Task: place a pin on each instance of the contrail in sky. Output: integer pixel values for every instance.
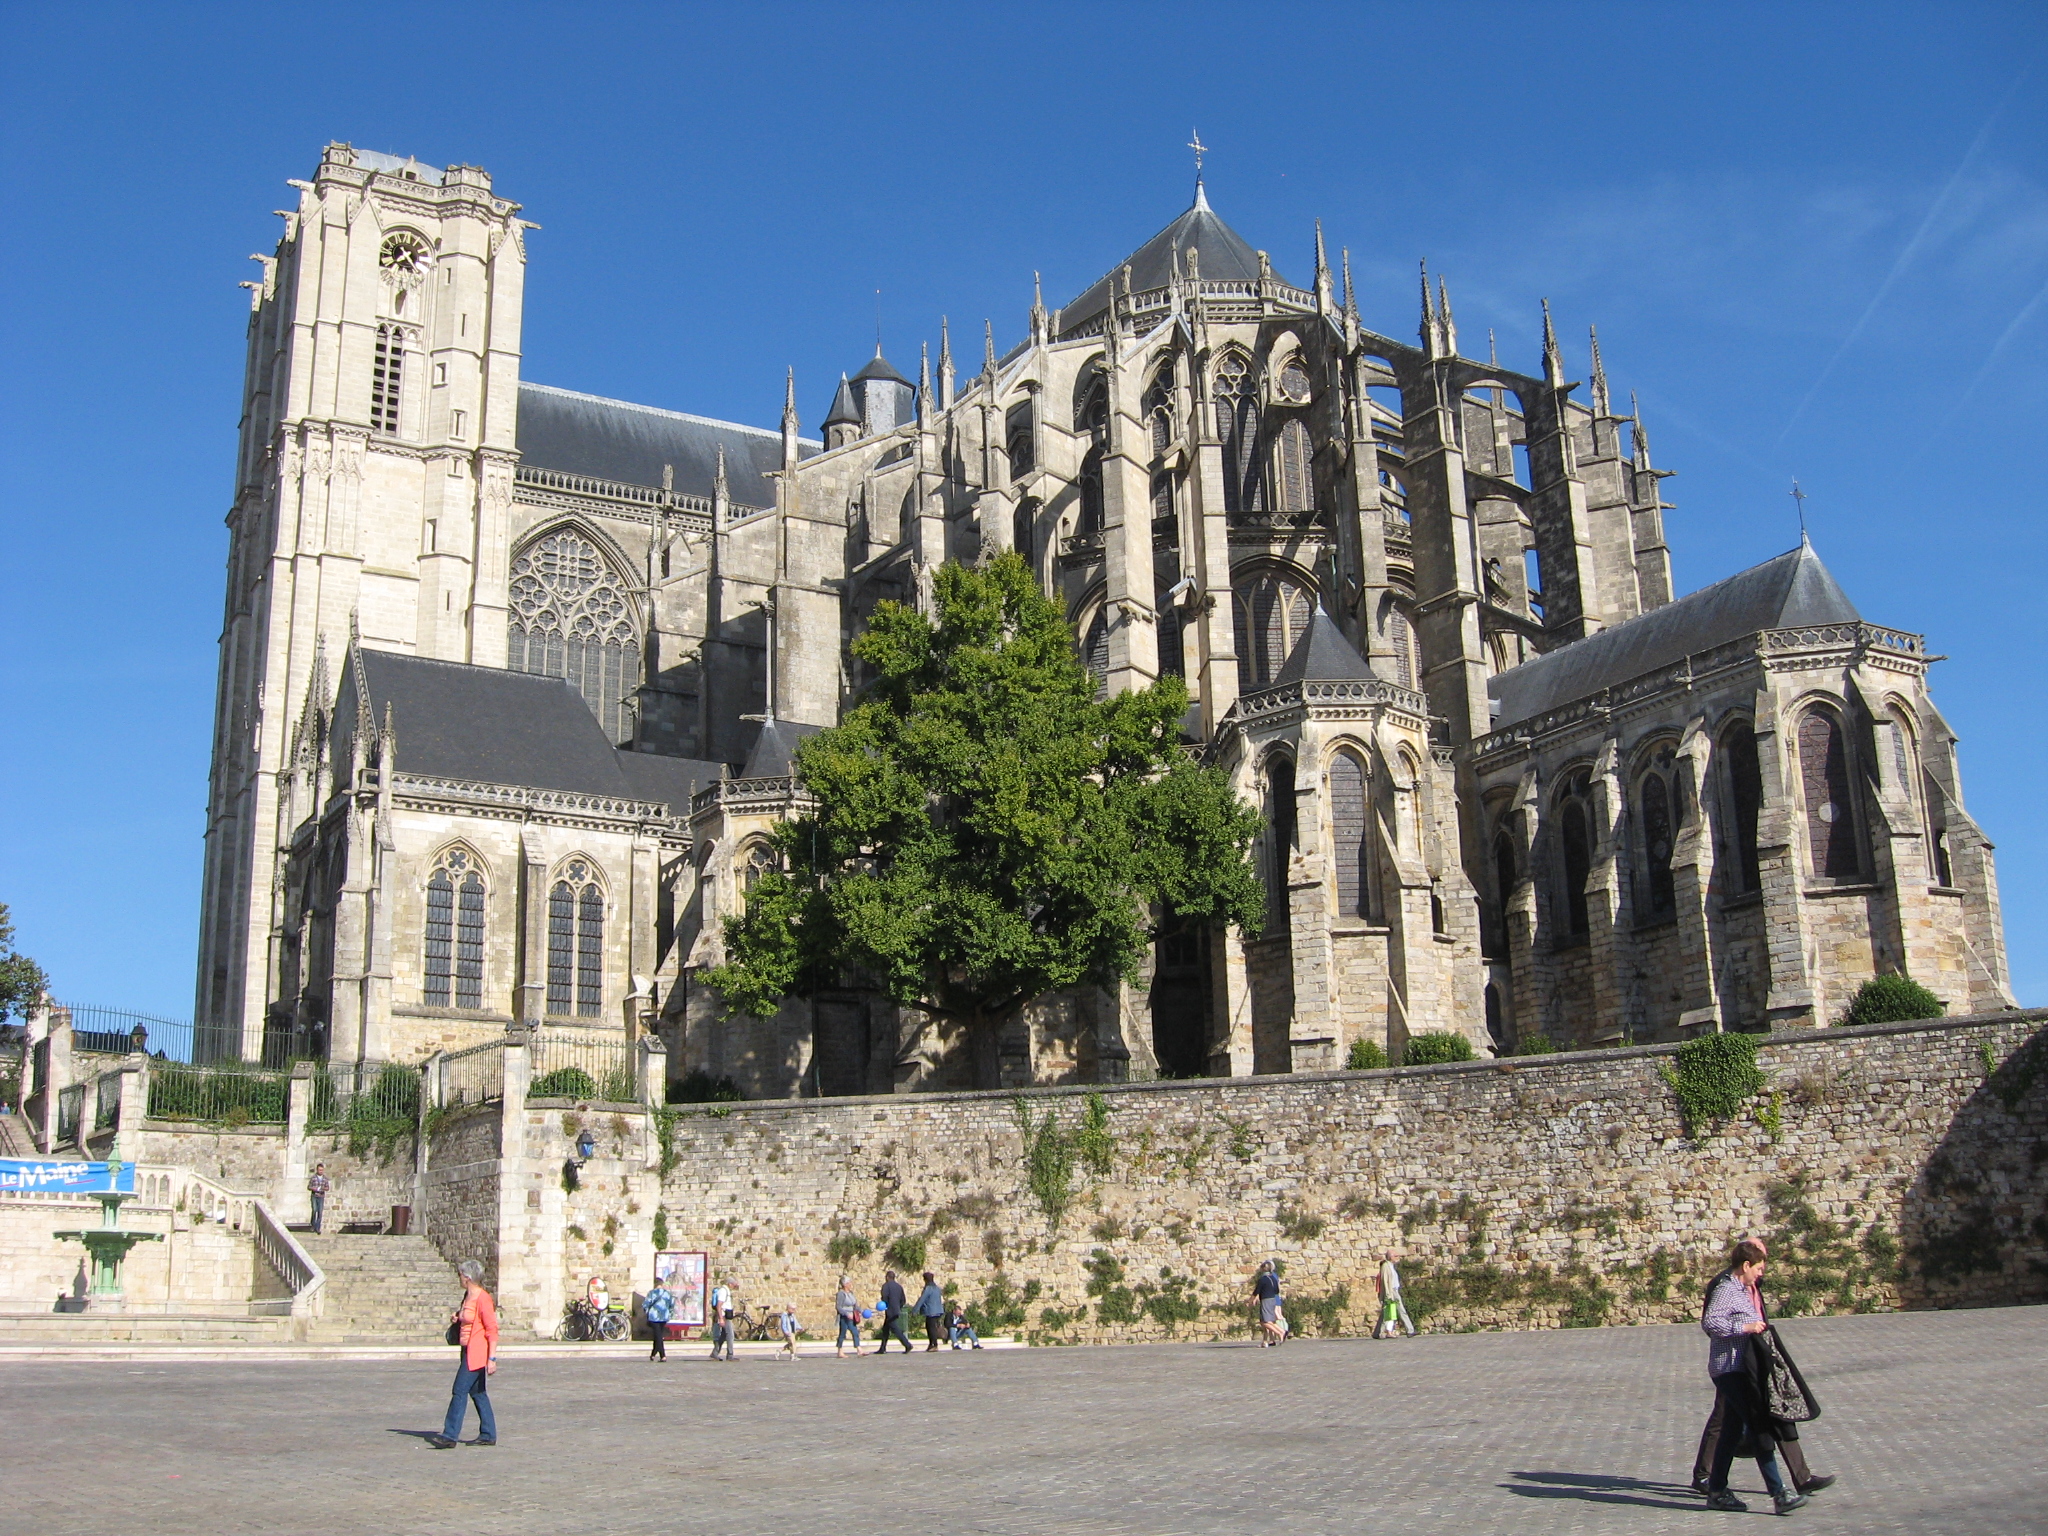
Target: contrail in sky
(2012, 329)
(1906, 256)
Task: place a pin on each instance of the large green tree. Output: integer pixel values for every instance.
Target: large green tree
(987, 828)
(22, 981)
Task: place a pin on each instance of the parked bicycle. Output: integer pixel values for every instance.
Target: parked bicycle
(582, 1322)
(752, 1329)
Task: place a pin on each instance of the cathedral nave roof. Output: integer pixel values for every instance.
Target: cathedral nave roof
(580, 434)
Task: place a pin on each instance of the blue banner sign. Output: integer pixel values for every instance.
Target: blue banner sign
(34, 1176)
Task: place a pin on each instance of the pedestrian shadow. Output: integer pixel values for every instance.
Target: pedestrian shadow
(1597, 1488)
(414, 1434)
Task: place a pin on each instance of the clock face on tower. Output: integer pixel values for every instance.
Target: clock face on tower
(404, 255)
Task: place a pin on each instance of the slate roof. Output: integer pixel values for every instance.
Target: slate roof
(842, 412)
(1225, 258)
(878, 368)
(774, 753)
(1323, 655)
(581, 434)
(1793, 590)
(490, 724)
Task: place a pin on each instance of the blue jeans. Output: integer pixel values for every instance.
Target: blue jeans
(1737, 1421)
(319, 1210)
(470, 1385)
(849, 1328)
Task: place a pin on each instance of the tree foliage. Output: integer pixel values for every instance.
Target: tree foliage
(22, 981)
(987, 828)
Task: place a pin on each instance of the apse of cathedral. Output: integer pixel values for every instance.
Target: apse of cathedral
(511, 677)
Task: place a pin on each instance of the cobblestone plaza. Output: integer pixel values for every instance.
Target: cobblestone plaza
(1932, 1420)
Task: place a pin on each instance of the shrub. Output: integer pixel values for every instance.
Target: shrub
(1433, 1046)
(1535, 1043)
(846, 1247)
(563, 1083)
(1000, 1309)
(906, 1253)
(1892, 1000)
(700, 1087)
(1712, 1076)
(1298, 1224)
(1093, 1143)
(1365, 1056)
(1048, 1161)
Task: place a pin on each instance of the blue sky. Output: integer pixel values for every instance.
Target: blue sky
(1814, 238)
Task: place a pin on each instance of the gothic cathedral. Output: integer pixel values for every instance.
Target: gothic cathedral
(511, 677)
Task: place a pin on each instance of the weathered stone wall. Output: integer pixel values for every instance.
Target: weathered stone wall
(461, 1187)
(1886, 1163)
(257, 1160)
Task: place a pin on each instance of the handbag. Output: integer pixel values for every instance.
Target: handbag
(454, 1333)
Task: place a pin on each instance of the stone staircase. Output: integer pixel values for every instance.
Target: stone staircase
(15, 1140)
(382, 1290)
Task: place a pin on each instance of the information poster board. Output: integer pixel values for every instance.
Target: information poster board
(684, 1273)
(53, 1176)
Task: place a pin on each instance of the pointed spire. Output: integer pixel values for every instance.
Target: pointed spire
(1553, 361)
(1443, 314)
(1350, 300)
(1492, 348)
(1323, 301)
(924, 380)
(1201, 197)
(1599, 375)
(945, 365)
(721, 495)
(1640, 447)
(1428, 332)
(1037, 311)
(988, 350)
(789, 422)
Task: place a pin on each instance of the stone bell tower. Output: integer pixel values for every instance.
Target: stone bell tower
(372, 490)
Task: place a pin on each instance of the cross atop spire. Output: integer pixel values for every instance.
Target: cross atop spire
(1200, 150)
(1799, 501)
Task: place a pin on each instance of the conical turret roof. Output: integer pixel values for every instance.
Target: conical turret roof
(1323, 655)
(842, 413)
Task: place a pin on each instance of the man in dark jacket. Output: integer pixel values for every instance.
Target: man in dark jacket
(931, 1306)
(891, 1320)
(1803, 1477)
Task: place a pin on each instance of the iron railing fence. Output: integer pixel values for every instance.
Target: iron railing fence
(570, 1063)
(117, 1031)
(365, 1098)
(226, 1096)
(473, 1076)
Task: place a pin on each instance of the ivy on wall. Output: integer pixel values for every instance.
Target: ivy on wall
(1710, 1078)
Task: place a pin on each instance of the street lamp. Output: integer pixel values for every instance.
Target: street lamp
(586, 1148)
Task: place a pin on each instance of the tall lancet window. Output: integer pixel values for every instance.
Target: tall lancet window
(386, 375)
(1237, 423)
(1294, 456)
(1272, 615)
(571, 618)
(576, 942)
(455, 932)
(1158, 408)
(1830, 809)
(1347, 835)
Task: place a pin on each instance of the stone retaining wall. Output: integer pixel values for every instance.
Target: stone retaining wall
(1886, 1163)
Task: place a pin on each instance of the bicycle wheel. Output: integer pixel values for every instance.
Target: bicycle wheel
(613, 1326)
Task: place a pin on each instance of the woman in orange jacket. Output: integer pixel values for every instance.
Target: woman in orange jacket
(477, 1322)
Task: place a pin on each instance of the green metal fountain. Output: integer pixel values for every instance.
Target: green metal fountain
(108, 1245)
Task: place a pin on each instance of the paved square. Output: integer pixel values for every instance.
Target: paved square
(1934, 1421)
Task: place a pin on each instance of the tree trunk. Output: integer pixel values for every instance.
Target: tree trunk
(984, 1044)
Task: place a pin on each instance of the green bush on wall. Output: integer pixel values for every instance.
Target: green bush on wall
(1535, 1043)
(1892, 1000)
(563, 1083)
(1433, 1046)
(1711, 1076)
(1365, 1056)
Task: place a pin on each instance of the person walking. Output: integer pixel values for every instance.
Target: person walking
(1266, 1305)
(890, 1324)
(477, 1330)
(318, 1187)
(1803, 1476)
(721, 1319)
(659, 1306)
(1393, 1310)
(790, 1328)
(847, 1306)
(931, 1306)
(1733, 1313)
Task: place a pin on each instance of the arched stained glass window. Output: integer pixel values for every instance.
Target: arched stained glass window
(1830, 810)
(1281, 837)
(1091, 402)
(1575, 852)
(1347, 834)
(1237, 423)
(1095, 649)
(454, 947)
(1296, 487)
(1294, 381)
(1743, 780)
(1272, 615)
(1655, 797)
(1158, 408)
(576, 942)
(571, 619)
(1090, 521)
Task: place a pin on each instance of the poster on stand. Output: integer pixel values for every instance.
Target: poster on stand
(684, 1273)
(57, 1176)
